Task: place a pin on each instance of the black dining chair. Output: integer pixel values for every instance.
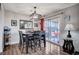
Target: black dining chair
(31, 40)
(37, 40)
(42, 37)
(22, 41)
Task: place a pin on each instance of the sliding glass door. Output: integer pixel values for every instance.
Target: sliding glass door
(52, 30)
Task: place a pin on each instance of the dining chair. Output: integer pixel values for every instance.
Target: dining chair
(30, 40)
(22, 41)
(42, 37)
(37, 41)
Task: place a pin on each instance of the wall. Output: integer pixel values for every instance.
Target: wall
(1, 27)
(14, 29)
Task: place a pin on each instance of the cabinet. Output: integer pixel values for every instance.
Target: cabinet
(6, 36)
(68, 46)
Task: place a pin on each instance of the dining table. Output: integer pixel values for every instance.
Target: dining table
(28, 34)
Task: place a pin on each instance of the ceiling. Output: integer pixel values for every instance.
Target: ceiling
(42, 8)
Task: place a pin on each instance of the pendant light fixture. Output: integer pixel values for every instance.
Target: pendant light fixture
(34, 15)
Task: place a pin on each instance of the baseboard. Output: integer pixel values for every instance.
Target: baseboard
(1, 51)
(53, 43)
(13, 43)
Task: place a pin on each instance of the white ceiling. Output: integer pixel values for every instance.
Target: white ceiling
(42, 8)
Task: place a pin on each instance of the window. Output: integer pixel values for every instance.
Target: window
(52, 30)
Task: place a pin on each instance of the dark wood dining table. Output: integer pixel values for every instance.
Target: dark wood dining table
(27, 40)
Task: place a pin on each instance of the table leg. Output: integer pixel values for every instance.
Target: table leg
(44, 42)
(27, 46)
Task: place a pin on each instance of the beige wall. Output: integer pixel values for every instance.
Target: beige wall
(1, 27)
(14, 29)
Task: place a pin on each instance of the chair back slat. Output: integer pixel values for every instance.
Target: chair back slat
(21, 37)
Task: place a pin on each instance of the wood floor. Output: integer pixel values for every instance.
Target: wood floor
(51, 49)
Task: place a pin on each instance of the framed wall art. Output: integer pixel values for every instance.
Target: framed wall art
(24, 24)
(13, 22)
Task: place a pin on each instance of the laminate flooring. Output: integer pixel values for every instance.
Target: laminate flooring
(50, 49)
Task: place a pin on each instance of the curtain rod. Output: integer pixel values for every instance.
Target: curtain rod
(56, 14)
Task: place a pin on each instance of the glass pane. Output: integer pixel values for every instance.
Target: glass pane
(52, 31)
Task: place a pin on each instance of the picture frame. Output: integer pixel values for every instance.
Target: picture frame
(35, 24)
(24, 24)
(30, 24)
(13, 22)
(67, 18)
